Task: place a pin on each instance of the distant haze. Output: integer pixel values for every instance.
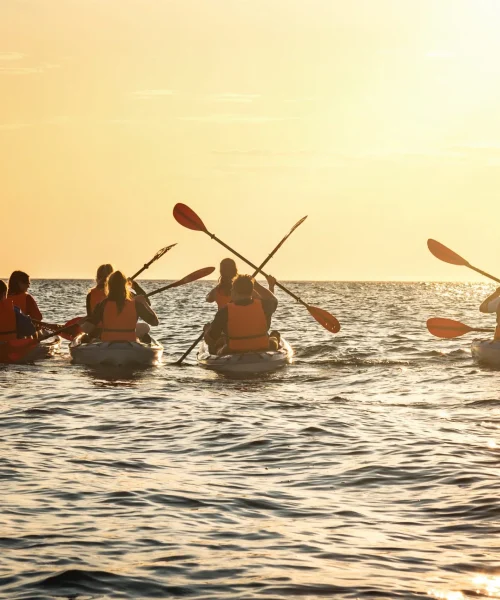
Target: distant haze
(377, 118)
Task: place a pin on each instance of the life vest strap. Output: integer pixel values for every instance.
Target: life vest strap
(248, 337)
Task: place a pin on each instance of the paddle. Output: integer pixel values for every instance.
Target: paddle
(53, 327)
(157, 256)
(188, 218)
(200, 337)
(188, 279)
(446, 255)
(449, 329)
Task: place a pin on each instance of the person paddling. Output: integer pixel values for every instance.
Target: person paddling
(14, 324)
(242, 325)
(19, 282)
(222, 292)
(491, 306)
(97, 294)
(117, 315)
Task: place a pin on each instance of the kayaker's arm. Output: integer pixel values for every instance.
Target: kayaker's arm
(88, 305)
(492, 303)
(145, 312)
(217, 327)
(94, 319)
(211, 296)
(139, 291)
(264, 293)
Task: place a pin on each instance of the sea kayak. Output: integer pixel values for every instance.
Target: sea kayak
(118, 354)
(27, 351)
(486, 352)
(248, 362)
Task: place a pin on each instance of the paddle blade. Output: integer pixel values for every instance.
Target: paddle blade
(194, 276)
(161, 252)
(447, 328)
(71, 329)
(325, 319)
(445, 254)
(188, 218)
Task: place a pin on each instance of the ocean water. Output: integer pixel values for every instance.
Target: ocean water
(367, 469)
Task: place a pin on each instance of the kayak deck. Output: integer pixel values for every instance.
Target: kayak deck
(486, 352)
(247, 362)
(120, 354)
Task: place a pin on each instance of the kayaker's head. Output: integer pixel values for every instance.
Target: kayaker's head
(117, 289)
(19, 282)
(228, 272)
(102, 274)
(3, 290)
(242, 288)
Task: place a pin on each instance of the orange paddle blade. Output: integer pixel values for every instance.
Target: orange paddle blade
(188, 218)
(445, 254)
(71, 332)
(447, 328)
(194, 276)
(325, 319)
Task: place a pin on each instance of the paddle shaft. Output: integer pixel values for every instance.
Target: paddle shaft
(157, 256)
(257, 269)
(483, 273)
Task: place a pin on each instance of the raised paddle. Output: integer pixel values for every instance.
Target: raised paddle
(188, 218)
(446, 255)
(449, 329)
(200, 337)
(157, 256)
(188, 279)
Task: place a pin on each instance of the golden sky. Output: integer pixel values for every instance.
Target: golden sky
(377, 118)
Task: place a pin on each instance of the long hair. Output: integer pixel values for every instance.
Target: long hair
(3, 288)
(117, 290)
(102, 274)
(15, 279)
(228, 272)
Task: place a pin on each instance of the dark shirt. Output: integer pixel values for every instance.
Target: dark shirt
(24, 325)
(143, 312)
(219, 324)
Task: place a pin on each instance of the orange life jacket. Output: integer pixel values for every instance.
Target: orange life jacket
(221, 298)
(8, 325)
(97, 295)
(247, 327)
(119, 327)
(19, 300)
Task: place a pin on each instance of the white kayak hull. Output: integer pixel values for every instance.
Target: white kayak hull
(248, 362)
(117, 354)
(486, 352)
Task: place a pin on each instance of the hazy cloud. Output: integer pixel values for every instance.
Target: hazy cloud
(231, 97)
(11, 55)
(13, 126)
(235, 119)
(149, 94)
(28, 70)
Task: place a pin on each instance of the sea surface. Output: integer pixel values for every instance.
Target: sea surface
(370, 468)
